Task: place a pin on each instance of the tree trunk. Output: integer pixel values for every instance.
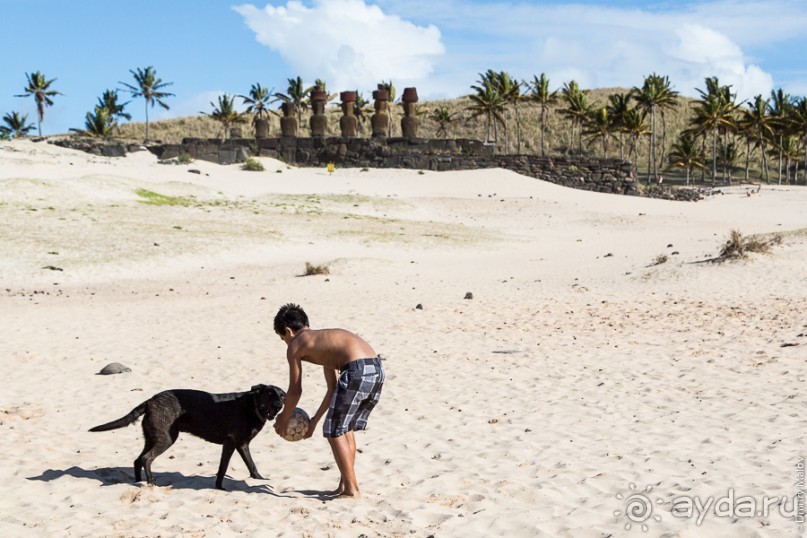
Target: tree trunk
(147, 121)
(781, 139)
(804, 170)
(580, 140)
(764, 160)
(543, 126)
(747, 156)
(518, 131)
(663, 136)
(714, 156)
(653, 142)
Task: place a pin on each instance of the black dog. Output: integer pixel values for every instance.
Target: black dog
(231, 420)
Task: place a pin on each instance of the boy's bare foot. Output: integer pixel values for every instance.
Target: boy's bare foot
(338, 491)
(343, 492)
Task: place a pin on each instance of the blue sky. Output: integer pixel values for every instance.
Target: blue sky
(209, 47)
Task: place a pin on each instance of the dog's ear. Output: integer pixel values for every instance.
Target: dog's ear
(257, 388)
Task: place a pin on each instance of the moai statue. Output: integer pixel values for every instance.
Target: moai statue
(409, 123)
(318, 121)
(288, 123)
(261, 128)
(348, 123)
(380, 120)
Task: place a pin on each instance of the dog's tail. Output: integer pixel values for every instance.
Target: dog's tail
(133, 415)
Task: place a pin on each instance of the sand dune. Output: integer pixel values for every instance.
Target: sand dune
(580, 373)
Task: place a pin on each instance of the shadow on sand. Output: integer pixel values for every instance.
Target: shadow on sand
(110, 476)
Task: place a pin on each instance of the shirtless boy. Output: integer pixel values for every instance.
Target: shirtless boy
(354, 377)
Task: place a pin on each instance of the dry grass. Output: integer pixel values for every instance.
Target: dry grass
(311, 269)
(739, 247)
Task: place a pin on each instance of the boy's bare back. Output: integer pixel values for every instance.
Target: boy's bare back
(332, 348)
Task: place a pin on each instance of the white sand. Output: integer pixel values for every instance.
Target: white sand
(577, 369)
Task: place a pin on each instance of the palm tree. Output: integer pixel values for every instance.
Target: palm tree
(713, 112)
(39, 87)
(16, 126)
(636, 128)
(225, 113)
(362, 109)
(148, 86)
(541, 95)
(488, 102)
(296, 94)
(780, 107)
(668, 101)
(577, 109)
(109, 102)
(510, 91)
(686, 154)
(391, 92)
(756, 125)
(728, 158)
(790, 149)
(443, 118)
(798, 122)
(98, 124)
(599, 126)
(655, 94)
(257, 103)
(618, 107)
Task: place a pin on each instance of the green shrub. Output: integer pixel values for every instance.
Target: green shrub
(253, 165)
(155, 198)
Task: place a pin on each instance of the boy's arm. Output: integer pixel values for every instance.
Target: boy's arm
(292, 395)
(330, 380)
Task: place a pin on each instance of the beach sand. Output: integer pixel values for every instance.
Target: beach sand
(580, 373)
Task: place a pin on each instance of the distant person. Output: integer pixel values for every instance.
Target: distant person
(354, 377)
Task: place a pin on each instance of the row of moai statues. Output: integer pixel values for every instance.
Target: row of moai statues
(349, 122)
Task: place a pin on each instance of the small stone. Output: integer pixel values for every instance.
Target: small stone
(469, 295)
(419, 307)
(114, 368)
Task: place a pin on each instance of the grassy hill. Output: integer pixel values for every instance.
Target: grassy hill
(557, 131)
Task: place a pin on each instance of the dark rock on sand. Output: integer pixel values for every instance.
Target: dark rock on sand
(114, 368)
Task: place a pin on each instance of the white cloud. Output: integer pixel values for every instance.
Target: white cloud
(347, 43)
(739, 41)
(704, 52)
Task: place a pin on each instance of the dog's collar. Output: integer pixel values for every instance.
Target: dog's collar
(257, 410)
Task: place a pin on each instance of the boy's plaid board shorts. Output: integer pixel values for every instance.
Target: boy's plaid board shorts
(357, 393)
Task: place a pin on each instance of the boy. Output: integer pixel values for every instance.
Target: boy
(354, 377)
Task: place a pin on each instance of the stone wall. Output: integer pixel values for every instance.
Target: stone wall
(611, 175)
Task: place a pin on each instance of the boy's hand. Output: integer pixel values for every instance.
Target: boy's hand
(282, 424)
(312, 426)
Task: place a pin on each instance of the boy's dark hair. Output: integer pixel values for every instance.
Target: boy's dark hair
(292, 316)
